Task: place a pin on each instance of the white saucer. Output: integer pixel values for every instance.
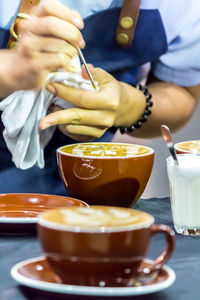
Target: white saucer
(31, 273)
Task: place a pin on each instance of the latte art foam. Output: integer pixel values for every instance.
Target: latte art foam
(190, 146)
(97, 217)
(105, 150)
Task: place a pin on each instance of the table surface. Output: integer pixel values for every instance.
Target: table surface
(185, 261)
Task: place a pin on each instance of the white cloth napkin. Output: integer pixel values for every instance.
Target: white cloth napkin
(22, 111)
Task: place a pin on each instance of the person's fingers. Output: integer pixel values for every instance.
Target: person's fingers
(84, 72)
(75, 137)
(85, 130)
(57, 9)
(54, 27)
(50, 61)
(72, 135)
(76, 116)
(85, 99)
(32, 43)
(99, 74)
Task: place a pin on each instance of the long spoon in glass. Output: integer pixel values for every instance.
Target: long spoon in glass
(168, 140)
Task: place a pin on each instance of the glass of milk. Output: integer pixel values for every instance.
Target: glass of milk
(184, 181)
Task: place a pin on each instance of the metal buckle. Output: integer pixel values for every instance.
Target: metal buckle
(13, 34)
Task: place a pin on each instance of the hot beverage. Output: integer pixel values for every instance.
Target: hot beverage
(188, 147)
(94, 218)
(105, 150)
(105, 173)
(100, 245)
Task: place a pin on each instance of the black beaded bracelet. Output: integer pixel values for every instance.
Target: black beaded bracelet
(146, 114)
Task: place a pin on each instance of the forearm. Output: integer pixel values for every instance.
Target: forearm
(5, 80)
(172, 105)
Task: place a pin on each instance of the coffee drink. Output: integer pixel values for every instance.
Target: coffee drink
(99, 218)
(112, 174)
(105, 150)
(188, 147)
(100, 245)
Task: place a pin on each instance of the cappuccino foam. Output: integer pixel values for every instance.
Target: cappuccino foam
(190, 146)
(105, 150)
(96, 218)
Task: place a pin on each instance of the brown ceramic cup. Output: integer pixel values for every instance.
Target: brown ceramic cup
(101, 245)
(192, 147)
(105, 173)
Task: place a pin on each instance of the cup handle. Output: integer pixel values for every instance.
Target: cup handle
(168, 250)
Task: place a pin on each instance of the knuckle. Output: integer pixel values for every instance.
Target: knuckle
(76, 35)
(22, 26)
(27, 42)
(24, 39)
(99, 133)
(75, 13)
(108, 122)
(68, 49)
(60, 57)
(63, 60)
(76, 117)
(70, 129)
(73, 51)
(51, 23)
(113, 105)
(45, 6)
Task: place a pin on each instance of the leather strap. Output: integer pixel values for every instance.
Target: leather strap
(127, 22)
(26, 7)
(125, 28)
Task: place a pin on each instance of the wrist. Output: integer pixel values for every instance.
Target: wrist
(146, 112)
(132, 105)
(6, 66)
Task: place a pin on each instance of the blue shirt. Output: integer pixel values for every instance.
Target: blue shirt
(181, 19)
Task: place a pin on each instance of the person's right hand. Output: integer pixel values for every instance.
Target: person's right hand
(47, 42)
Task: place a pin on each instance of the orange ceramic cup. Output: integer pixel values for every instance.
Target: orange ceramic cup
(105, 173)
(192, 147)
(101, 245)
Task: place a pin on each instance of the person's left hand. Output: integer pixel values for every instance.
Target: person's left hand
(95, 111)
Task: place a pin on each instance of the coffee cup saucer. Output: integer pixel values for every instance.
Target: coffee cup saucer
(19, 211)
(35, 273)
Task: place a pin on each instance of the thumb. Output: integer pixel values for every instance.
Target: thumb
(98, 74)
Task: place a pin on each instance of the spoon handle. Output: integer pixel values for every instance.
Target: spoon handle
(168, 140)
(173, 153)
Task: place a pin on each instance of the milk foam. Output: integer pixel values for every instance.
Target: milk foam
(190, 146)
(185, 190)
(96, 218)
(106, 150)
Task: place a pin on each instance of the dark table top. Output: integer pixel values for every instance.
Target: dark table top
(185, 261)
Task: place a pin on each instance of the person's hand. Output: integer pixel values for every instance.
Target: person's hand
(115, 104)
(47, 42)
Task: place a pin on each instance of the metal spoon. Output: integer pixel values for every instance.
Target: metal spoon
(86, 67)
(168, 140)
